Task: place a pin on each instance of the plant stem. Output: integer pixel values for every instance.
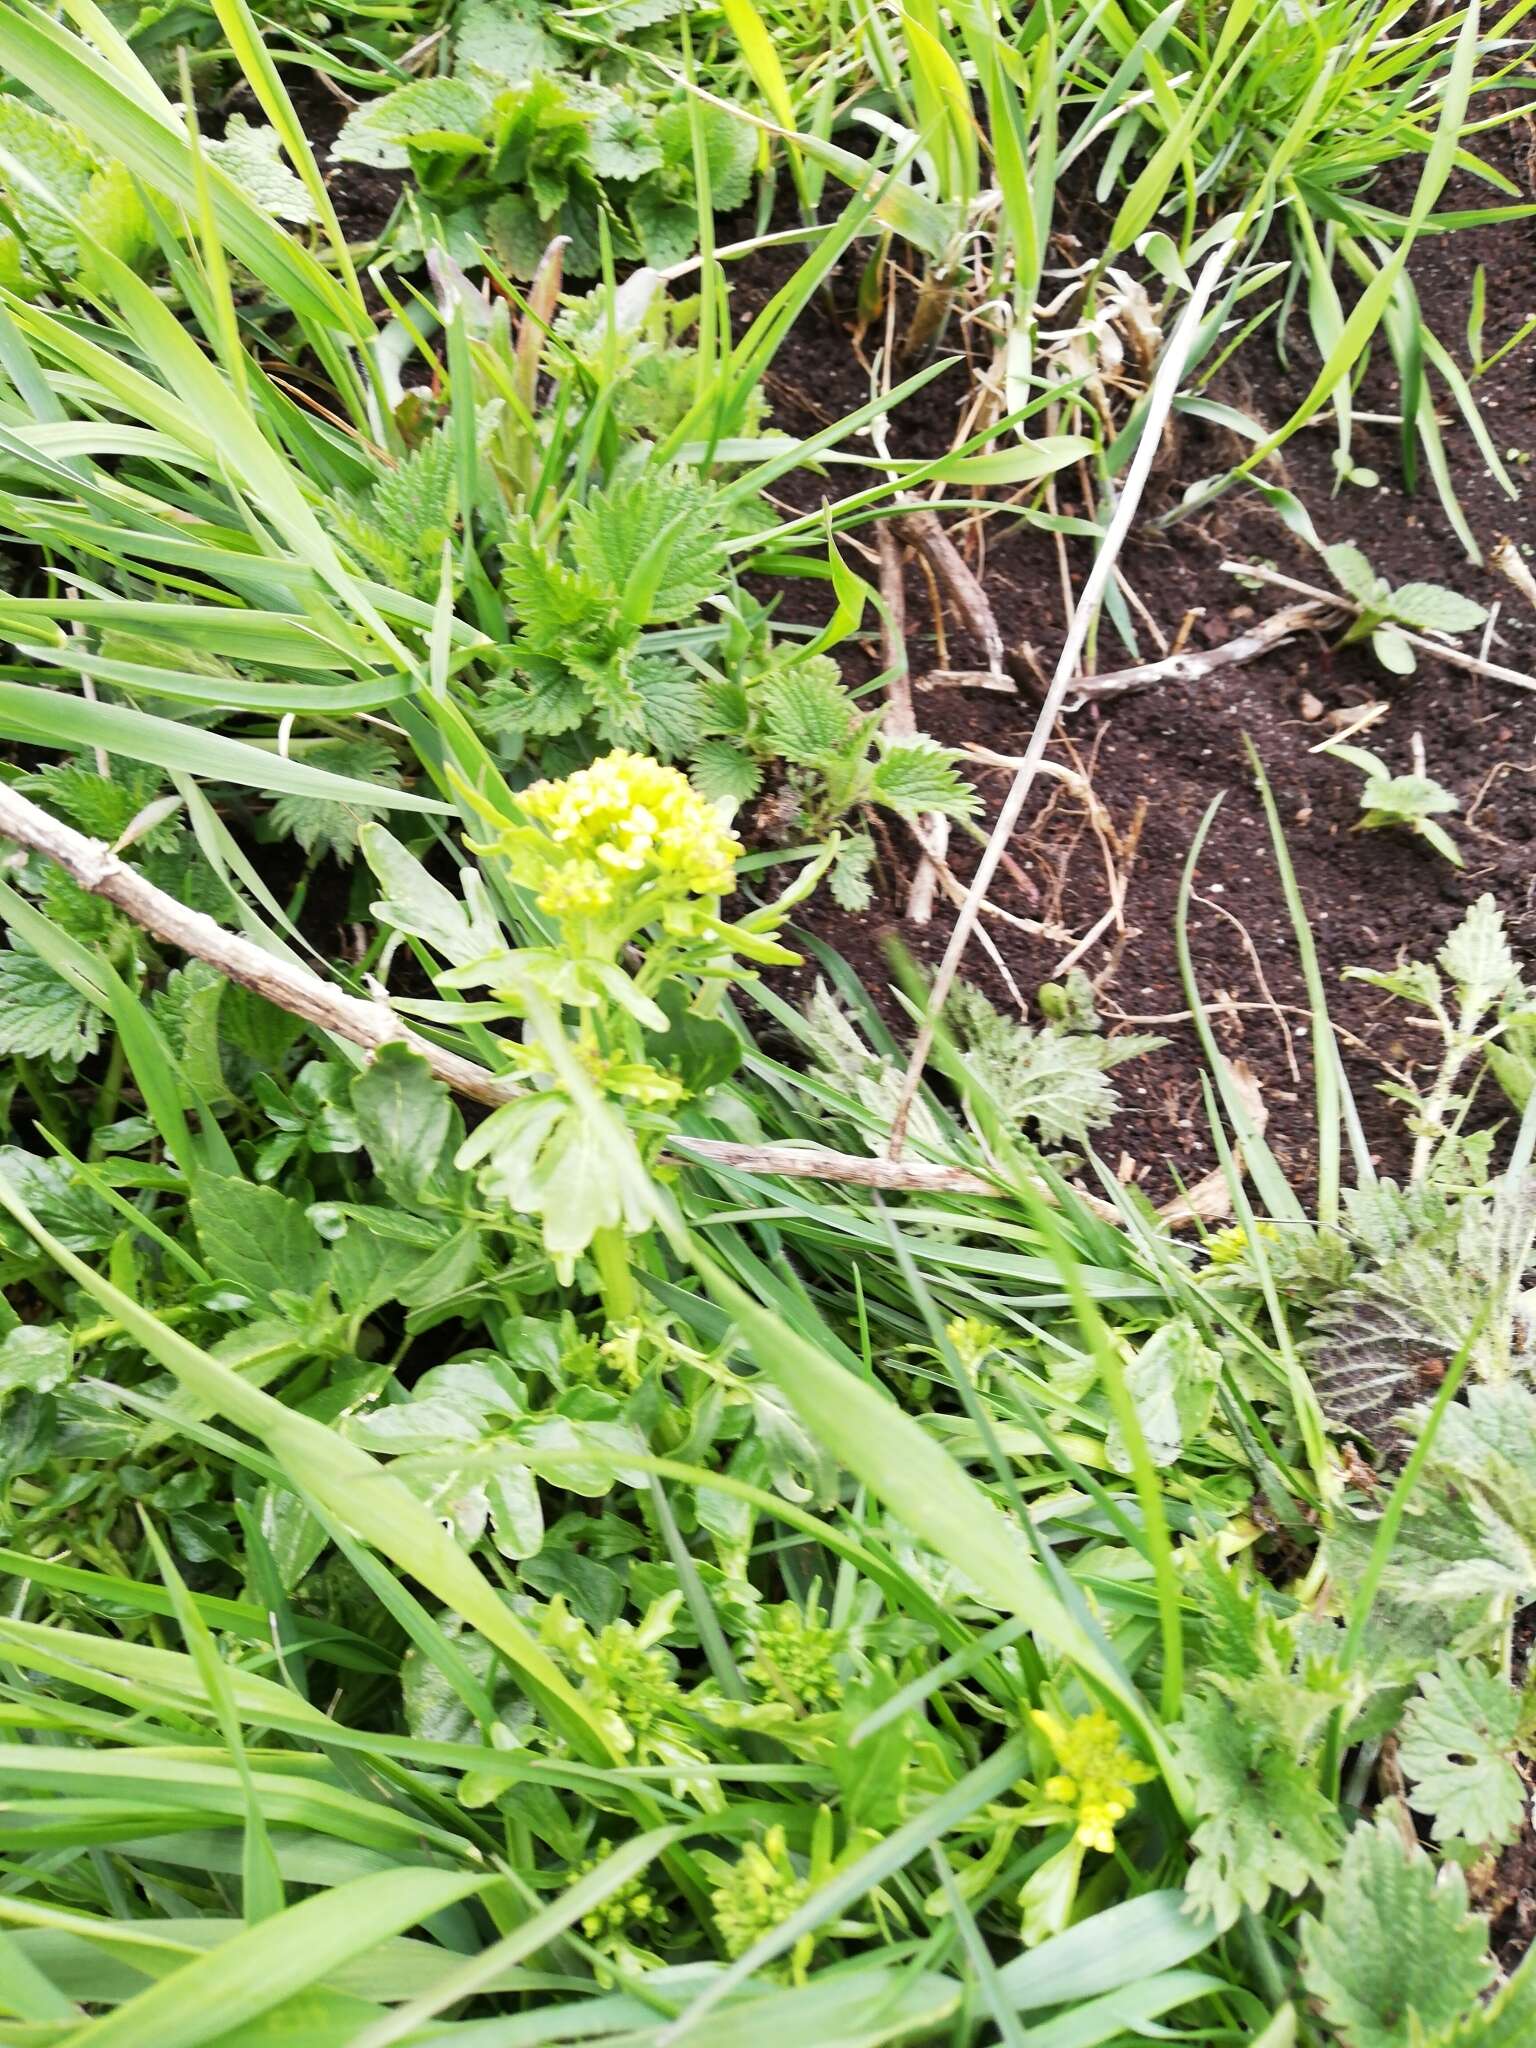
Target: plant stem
(108, 1093)
(610, 1252)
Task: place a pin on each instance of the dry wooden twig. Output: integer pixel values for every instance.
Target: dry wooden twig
(1184, 666)
(968, 679)
(922, 530)
(1193, 665)
(372, 1024)
(286, 983)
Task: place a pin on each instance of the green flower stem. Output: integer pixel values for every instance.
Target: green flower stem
(610, 1251)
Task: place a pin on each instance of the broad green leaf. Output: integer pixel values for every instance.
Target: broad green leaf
(404, 1115)
(257, 1238)
(52, 718)
(1394, 1958)
(259, 1969)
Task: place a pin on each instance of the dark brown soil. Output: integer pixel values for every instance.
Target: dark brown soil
(1158, 759)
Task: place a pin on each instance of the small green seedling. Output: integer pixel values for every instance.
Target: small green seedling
(1387, 616)
(1412, 801)
(1348, 471)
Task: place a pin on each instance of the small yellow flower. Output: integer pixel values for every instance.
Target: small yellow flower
(579, 890)
(758, 1893)
(628, 823)
(1226, 1247)
(973, 1339)
(1097, 1773)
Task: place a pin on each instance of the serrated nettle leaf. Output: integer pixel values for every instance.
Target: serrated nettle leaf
(381, 131)
(1416, 983)
(506, 42)
(1264, 1821)
(1395, 1957)
(1458, 1743)
(724, 772)
(1406, 799)
(1353, 573)
(253, 158)
(848, 879)
(807, 713)
(43, 1016)
(61, 1200)
(322, 826)
(916, 775)
(1478, 960)
(1053, 1079)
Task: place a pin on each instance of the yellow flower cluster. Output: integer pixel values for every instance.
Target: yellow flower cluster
(1096, 1776)
(1226, 1247)
(759, 1893)
(974, 1340)
(624, 824)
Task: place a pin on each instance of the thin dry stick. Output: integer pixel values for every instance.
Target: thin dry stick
(290, 986)
(922, 531)
(1179, 666)
(1442, 650)
(968, 679)
(1194, 666)
(900, 720)
(1159, 404)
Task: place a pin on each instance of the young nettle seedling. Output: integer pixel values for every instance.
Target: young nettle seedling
(1386, 613)
(1412, 801)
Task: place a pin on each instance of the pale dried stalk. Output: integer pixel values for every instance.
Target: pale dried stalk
(371, 1025)
(1180, 667)
(1159, 405)
(1508, 560)
(290, 986)
(1193, 666)
(968, 679)
(810, 1162)
(900, 722)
